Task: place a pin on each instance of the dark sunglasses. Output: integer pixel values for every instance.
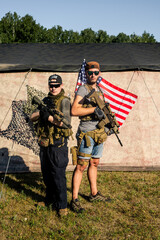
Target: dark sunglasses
(54, 85)
(91, 73)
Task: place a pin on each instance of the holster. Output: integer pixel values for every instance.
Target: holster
(73, 151)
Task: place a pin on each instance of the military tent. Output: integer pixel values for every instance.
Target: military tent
(25, 68)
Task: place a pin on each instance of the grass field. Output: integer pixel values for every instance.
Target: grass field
(133, 213)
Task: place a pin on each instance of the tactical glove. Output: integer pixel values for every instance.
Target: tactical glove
(44, 114)
(99, 113)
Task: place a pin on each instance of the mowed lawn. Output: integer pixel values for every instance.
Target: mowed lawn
(133, 213)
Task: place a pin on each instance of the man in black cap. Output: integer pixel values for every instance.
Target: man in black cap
(53, 134)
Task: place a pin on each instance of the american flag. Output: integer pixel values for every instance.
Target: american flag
(120, 100)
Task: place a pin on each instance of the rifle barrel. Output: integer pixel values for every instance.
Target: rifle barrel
(118, 138)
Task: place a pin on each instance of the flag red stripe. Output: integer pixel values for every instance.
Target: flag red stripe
(119, 89)
(120, 116)
(116, 94)
(118, 102)
(119, 109)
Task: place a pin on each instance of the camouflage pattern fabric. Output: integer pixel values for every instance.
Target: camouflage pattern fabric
(21, 129)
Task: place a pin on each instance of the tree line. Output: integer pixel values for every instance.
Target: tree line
(16, 29)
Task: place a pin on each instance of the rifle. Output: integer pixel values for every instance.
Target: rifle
(53, 112)
(109, 119)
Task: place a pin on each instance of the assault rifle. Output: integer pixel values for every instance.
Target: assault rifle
(53, 112)
(108, 120)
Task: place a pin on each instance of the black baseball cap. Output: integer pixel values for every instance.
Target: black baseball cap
(55, 79)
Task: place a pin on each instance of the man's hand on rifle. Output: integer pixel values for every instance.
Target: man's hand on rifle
(111, 130)
(44, 114)
(99, 113)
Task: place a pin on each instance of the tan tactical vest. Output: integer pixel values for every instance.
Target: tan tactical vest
(48, 133)
(90, 103)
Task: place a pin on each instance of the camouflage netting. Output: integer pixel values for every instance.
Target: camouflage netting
(21, 129)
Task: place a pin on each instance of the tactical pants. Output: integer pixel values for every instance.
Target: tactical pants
(54, 161)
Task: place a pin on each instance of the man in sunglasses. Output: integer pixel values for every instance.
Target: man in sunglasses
(90, 138)
(52, 137)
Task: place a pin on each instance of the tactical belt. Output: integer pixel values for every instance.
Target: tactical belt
(98, 135)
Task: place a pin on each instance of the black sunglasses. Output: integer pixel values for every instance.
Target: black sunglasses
(54, 85)
(91, 73)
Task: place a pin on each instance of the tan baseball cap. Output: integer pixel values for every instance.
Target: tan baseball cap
(90, 65)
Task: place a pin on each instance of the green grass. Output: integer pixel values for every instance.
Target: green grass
(134, 212)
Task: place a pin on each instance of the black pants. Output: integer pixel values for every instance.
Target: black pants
(54, 161)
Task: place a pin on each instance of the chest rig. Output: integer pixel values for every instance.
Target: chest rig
(48, 133)
(90, 102)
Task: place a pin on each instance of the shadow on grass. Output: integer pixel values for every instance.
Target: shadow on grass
(29, 183)
(86, 197)
(14, 163)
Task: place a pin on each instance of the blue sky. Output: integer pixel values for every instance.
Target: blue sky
(127, 16)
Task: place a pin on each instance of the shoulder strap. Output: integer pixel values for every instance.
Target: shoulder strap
(101, 92)
(89, 88)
